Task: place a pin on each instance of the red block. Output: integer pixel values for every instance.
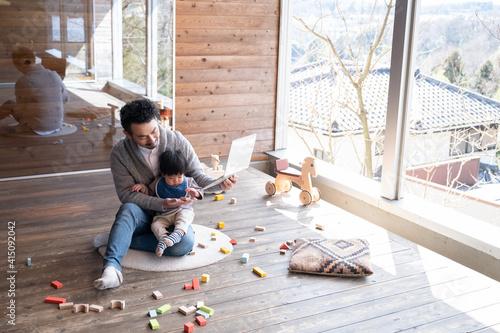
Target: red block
(233, 241)
(55, 300)
(284, 247)
(187, 286)
(188, 327)
(196, 284)
(201, 320)
(56, 284)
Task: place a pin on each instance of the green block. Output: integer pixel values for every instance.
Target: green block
(163, 308)
(208, 310)
(154, 324)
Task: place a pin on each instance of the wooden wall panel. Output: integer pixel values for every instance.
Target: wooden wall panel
(226, 72)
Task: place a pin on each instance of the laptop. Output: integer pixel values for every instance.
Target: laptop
(239, 158)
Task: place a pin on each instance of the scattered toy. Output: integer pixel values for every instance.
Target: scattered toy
(205, 278)
(224, 250)
(157, 294)
(259, 228)
(55, 300)
(81, 308)
(96, 308)
(259, 272)
(67, 305)
(56, 284)
(245, 257)
(117, 304)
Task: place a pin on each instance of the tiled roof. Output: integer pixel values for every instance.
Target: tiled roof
(319, 97)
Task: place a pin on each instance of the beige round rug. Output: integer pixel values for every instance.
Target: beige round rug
(147, 261)
(65, 130)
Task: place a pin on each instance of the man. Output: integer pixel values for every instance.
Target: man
(135, 160)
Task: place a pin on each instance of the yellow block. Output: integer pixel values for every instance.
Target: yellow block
(221, 225)
(205, 278)
(225, 250)
(219, 197)
(259, 272)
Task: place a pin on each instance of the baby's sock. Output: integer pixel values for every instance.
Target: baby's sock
(173, 238)
(161, 246)
(111, 278)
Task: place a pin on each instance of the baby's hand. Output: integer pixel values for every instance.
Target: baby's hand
(192, 193)
(139, 188)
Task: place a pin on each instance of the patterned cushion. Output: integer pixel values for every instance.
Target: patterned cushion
(334, 257)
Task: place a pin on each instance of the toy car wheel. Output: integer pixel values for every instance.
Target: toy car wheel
(270, 188)
(305, 198)
(316, 194)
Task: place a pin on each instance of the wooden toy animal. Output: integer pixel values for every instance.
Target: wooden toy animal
(285, 177)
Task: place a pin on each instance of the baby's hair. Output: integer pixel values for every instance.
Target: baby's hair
(172, 162)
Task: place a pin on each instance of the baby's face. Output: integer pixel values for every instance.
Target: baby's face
(174, 180)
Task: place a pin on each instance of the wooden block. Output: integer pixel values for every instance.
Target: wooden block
(205, 278)
(188, 327)
(259, 228)
(152, 313)
(233, 200)
(183, 309)
(29, 262)
(56, 284)
(213, 238)
(201, 320)
(154, 324)
(163, 308)
(117, 304)
(259, 272)
(208, 310)
(199, 304)
(289, 243)
(157, 294)
(220, 225)
(192, 253)
(188, 286)
(202, 313)
(284, 247)
(319, 226)
(233, 241)
(245, 257)
(96, 308)
(196, 284)
(190, 310)
(282, 251)
(202, 245)
(214, 233)
(55, 300)
(252, 239)
(80, 308)
(67, 305)
(219, 197)
(224, 250)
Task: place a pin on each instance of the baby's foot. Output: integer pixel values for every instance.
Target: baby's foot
(160, 248)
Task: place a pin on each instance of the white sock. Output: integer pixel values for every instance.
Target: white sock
(100, 239)
(111, 278)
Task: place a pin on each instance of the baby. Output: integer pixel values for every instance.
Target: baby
(173, 185)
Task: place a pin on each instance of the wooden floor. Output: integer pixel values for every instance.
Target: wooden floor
(412, 289)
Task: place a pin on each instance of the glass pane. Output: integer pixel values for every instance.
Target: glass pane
(339, 81)
(134, 41)
(452, 156)
(165, 48)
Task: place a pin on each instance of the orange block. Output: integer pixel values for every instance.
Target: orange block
(55, 300)
(196, 284)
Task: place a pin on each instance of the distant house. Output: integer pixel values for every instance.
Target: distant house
(447, 122)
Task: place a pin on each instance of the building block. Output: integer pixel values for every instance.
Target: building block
(55, 300)
(67, 305)
(205, 278)
(188, 327)
(320, 226)
(56, 284)
(282, 252)
(245, 257)
(154, 324)
(96, 308)
(289, 243)
(187, 310)
(284, 247)
(233, 241)
(202, 313)
(201, 320)
(192, 253)
(163, 308)
(188, 286)
(29, 262)
(220, 225)
(214, 233)
(208, 310)
(259, 228)
(259, 272)
(252, 240)
(117, 304)
(233, 200)
(202, 245)
(199, 304)
(219, 197)
(196, 284)
(152, 313)
(157, 294)
(224, 250)
(213, 238)
(80, 308)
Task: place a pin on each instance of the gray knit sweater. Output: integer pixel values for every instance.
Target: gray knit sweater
(129, 167)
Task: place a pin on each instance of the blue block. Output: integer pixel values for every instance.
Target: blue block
(29, 261)
(152, 313)
(245, 257)
(202, 313)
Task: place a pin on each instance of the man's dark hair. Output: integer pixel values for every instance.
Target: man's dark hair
(172, 162)
(140, 111)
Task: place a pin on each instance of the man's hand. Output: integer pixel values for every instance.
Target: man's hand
(169, 203)
(229, 183)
